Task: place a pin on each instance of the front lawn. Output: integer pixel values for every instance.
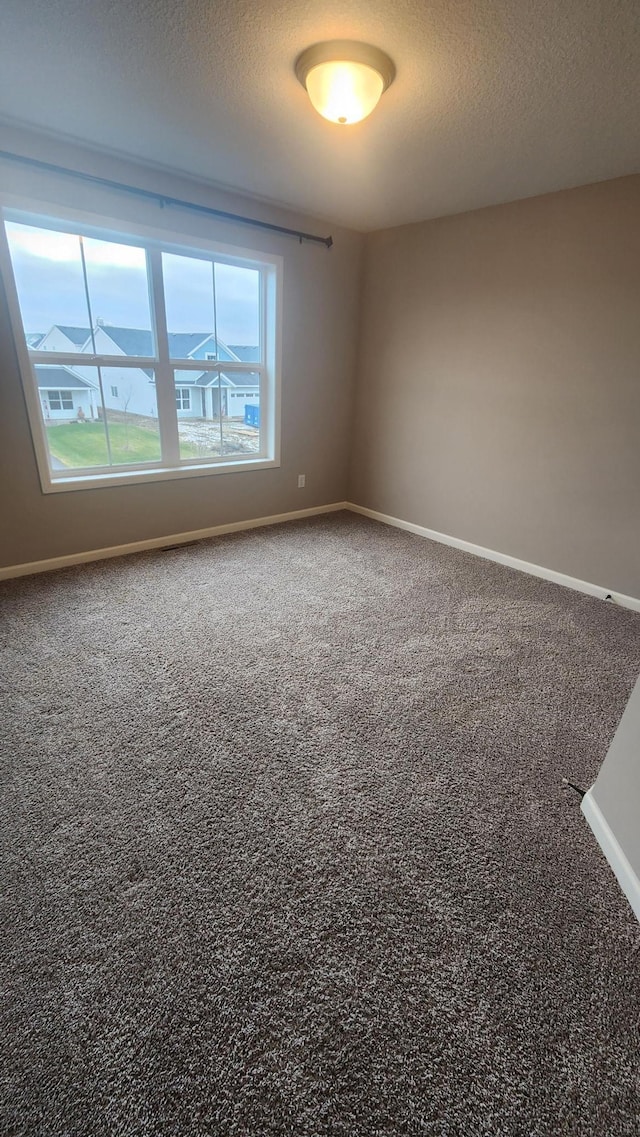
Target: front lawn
(78, 444)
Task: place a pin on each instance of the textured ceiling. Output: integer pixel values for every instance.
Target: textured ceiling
(493, 100)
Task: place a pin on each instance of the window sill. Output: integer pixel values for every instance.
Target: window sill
(84, 481)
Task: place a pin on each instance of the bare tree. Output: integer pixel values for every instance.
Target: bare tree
(125, 399)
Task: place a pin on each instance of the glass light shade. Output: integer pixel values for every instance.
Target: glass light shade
(344, 91)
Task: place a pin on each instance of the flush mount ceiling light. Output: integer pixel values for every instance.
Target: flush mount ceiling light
(344, 79)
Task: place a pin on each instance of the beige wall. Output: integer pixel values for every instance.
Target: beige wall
(321, 290)
(498, 390)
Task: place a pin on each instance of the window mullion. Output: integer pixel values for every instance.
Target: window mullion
(165, 389)
(105, 417)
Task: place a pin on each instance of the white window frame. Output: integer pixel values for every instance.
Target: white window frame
(155, 241)
(180, 398)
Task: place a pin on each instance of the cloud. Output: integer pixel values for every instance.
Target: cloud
(49, 279)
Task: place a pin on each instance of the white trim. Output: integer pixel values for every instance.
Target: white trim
(136, 362)
(618, 861)
(52, 563)
(598, 590)
(421, 531)
(134, 475)
(27, 372)
(163, 376)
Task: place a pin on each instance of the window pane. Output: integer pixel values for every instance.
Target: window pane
(47, 268)
(241, 427)
(119, 296)
(223, 417)
(74, 428)
(188, 290)
(197, 311)
(197, 411)
(131, 415)
(238, 312)
(83, 431)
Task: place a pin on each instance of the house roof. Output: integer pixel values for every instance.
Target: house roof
(200, 379)
(233, 379)
(209, 379)
(53, 378)
(190, 378)
(34, 338)
(139, 341)
(183, 343)
(246, 353)
(77, 335)
(132, 341)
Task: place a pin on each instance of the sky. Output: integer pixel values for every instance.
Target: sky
(48, 271)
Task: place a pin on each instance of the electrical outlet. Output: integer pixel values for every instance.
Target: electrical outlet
(301, 481)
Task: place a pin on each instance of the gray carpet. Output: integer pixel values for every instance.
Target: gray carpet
(286, 850)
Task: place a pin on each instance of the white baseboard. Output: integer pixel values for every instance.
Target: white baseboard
(159, 542)
(52, 563)
(502, 558)
(625, 875)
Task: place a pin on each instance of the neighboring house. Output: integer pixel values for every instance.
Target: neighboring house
(63, 392)
(125, 388)
(199, 394)
(64, 337)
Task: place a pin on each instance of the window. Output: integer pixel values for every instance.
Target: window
(60, 401)
(131, 319)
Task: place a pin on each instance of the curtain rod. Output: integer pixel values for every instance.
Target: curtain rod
(164, 199)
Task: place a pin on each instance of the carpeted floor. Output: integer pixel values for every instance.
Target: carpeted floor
(286, 850)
